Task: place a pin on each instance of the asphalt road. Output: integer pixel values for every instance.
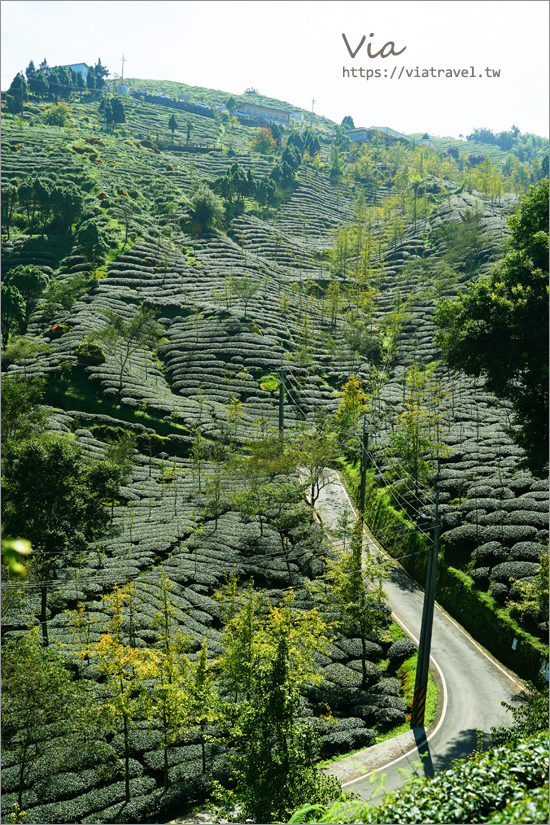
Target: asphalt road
(471, 683)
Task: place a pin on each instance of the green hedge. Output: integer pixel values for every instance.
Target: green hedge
(492, 627)
(491, 787)
(455, 591)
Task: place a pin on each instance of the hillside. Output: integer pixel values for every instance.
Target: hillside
(329, 272)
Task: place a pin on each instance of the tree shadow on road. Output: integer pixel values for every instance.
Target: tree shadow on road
(460, 747)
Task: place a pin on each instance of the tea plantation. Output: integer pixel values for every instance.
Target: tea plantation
(308, 272)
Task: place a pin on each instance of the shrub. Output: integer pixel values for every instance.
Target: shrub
(513, 570)
(491, 553)
(207, 208)
(504, 780)
(499, 591)
(401, 649)
(527, 551)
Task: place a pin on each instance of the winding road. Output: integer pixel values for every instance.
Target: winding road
(471, 683)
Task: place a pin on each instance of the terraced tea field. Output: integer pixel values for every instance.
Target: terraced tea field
(237, 305)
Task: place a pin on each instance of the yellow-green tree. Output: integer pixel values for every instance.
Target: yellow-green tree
(124, 672)
(358, 605)
(171, 687)
(275, 747)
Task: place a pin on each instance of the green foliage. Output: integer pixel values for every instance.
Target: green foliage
(492, 627)
(39, 697)
(491, 787)
(530, 716)
(22, 415)
(141, 330)
(92, 240)
(13, 311)
(417, 438)
(64, 291)
(274, 653)
(31, 283)
(499, 329)
(361, 610)
(464, 240)
(17, 94)
(53, 497)
(12, 550)
(263, 141)
(59, 114)
(206, 207)
(123, 670)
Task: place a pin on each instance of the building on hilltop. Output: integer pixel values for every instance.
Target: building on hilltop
(251, 91)
(269, 114)
(361, 134)
(79, 68)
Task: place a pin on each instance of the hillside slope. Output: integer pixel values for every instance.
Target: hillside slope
(270, 287)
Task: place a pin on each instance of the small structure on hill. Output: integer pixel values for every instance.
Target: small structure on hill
(361, 135)
(269, 114)
(79, 68)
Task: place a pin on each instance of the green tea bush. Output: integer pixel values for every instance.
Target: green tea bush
(501, 785)
(401, 649)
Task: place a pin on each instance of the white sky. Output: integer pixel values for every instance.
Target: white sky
(294, 51)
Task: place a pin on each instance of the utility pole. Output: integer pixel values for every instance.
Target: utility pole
(423, 665)
(21, 85)
(311, 118)
(363, 483)
(281, 401)
(123, 59)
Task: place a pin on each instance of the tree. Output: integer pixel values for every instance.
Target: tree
(348, 122)
(188, 130)
(274, 653)
(17, 94)
(171, 692)
(91, 239)
(173, 125)
(416, 180)
(412, 439)
(202, 703)
(8, 203)
(263, 141)
(30, 71)
(40, 700)
(38, 84)
(22, 415)
(119, 115)
(361, 611)
(31, 283)
(231, 105)
(13, 311)
(67, 202)
(206, 207)
(57, 115)
(100, 73)
(124, 671)
(141, 330)
(244, 288)
(91, 79)
(53, 497)
(119, 457)
(352, 405)
(465, 240)
(499, 328)
(313, 452)
(27, 195)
